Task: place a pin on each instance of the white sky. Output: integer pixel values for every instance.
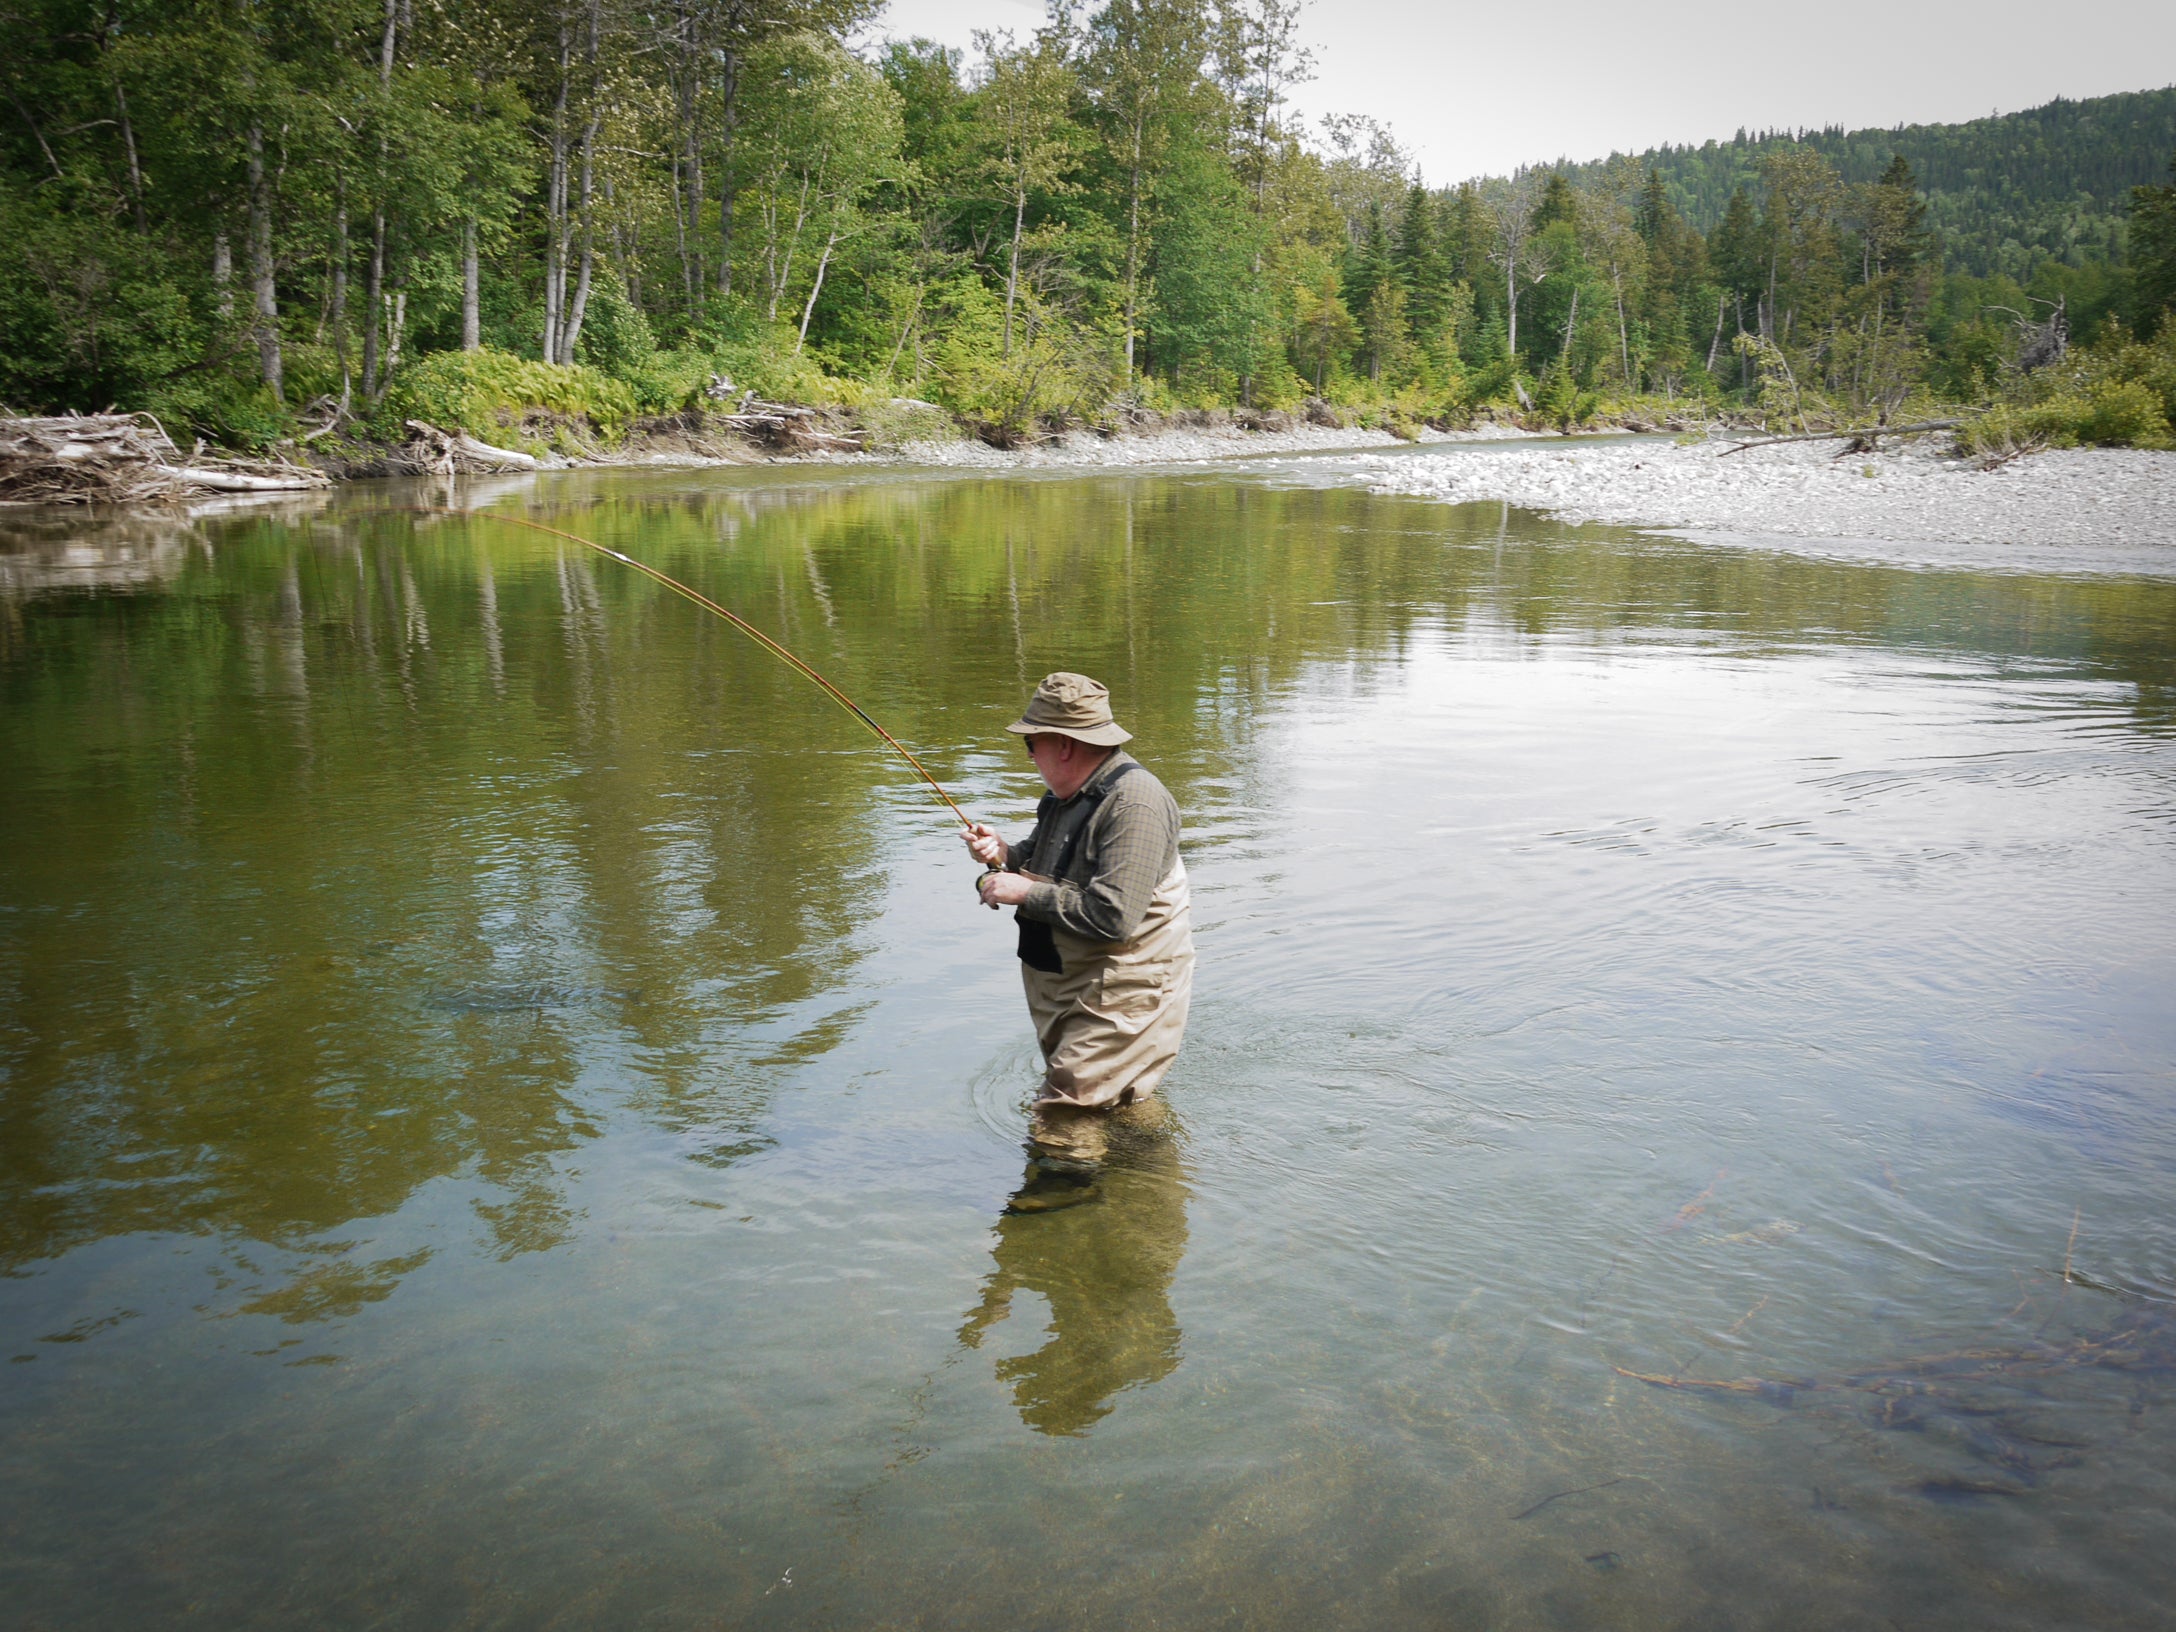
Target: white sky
(1478, 89)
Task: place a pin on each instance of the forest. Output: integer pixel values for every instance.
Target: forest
(2004, 194)
(271, 222)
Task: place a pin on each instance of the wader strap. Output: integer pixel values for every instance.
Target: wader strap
(1038, 949)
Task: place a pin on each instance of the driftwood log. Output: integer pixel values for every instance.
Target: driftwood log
(787, 427)
(125, 459)
(456, 453)
(1861, 437)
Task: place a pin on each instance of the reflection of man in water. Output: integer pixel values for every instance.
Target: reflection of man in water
(1106, 936)
(1106, 1271)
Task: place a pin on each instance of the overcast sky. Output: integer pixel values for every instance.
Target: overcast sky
(1477, 89)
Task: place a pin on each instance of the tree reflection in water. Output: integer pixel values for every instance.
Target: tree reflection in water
(1105, 1269)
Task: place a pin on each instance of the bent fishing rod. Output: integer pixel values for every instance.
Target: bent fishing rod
(735, 619)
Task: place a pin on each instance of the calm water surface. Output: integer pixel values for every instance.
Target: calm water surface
(506, 1097)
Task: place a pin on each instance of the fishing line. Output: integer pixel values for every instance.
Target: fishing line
(734, 618)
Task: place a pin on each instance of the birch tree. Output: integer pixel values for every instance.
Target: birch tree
(1030, 144)
(1141, 62)
(825, 128)
(1512, 211)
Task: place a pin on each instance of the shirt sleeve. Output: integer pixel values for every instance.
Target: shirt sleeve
(1130, 842)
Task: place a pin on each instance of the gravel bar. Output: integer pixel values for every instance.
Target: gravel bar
(1913, 495)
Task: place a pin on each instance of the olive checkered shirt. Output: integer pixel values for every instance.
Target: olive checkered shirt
(1130, 847)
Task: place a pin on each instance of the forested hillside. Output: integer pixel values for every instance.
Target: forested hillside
(2003, 193)
(284, 220)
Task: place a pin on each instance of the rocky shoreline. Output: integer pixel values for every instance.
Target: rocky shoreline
(1916, 493)
(2042, 509)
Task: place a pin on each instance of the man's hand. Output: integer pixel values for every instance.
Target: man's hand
(1004, 889)
(984, 844)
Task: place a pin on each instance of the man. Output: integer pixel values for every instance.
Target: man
(1106, 930)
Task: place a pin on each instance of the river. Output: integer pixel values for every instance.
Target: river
(507, 1096)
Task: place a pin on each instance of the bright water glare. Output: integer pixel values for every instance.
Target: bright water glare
(507, 1096)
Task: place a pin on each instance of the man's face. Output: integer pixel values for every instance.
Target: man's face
(1063, 763)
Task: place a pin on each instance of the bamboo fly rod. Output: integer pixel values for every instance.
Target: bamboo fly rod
(737, 621)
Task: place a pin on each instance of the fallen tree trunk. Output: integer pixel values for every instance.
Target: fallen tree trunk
(240, 481)
(1857, 433)
(456, 453)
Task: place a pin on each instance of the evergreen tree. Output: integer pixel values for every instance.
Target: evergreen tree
(1656, 219)
(1558, 205)
(2153, 252)
(1803, 277)
(1894, 240)
(1735, 248)
(1420, 264)
(1370, 268)
(1462, 234)
(1462, 242)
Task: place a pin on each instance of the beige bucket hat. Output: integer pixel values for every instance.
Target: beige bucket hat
(1071, 705)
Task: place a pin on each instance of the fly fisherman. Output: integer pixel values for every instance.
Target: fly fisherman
(1106, 931)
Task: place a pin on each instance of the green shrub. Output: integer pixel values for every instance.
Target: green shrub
(1277, 384)
(1151, 393)
(1492, 382)
(2123, 414)
(767, 364)
(1054, 370)
(489, 394)
(225, 411)
(616, 337)
(1559, 400)
(2117, 392)
(2105, 413)
(2005, 431)
(1453, 397)
(2149, 364)
(735, 341)
(666, 382)
(92, 314)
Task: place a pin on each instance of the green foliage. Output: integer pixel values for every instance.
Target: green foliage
(2003, 194)
(1559, 401)
(238, 217)
(2153, 251)
(767, 364)
(890, 422)
(1494, 381)
(490, 394)
(221, 409)
(2122, 377)
(92, 313)
(824, 130)
(616, 335)
(2108, 413)
(2119, 392)
(1052, 374)
(2123, 414)
(1207, 305)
